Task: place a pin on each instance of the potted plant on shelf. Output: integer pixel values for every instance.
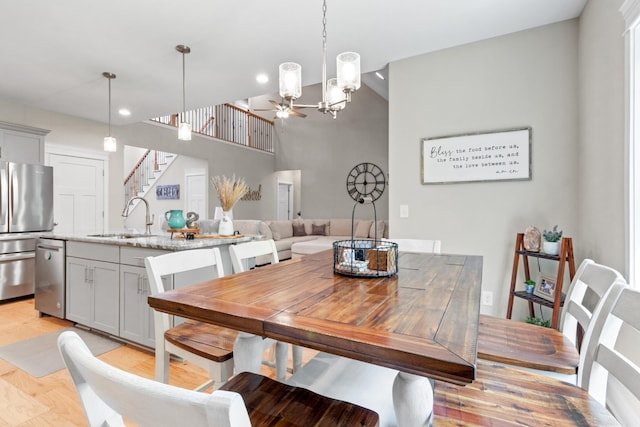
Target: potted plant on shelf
(539, 321)
(230, 190)
(529, 285)
(551, 244)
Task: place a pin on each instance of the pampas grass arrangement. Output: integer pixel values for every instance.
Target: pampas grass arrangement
(230, 190)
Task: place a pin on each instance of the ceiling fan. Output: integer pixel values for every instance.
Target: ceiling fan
(283, 110)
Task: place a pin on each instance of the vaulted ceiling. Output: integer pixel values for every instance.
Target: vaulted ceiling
(53, 53)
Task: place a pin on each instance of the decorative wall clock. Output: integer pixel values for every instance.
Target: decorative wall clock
(366, 179)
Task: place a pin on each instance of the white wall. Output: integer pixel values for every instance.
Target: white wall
(522, 79)
(257, 168)
(601, 156)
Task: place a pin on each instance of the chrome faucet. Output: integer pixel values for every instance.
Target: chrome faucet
(148, 219)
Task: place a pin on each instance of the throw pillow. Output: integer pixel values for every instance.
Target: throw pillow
(362, 229)
(319, 230)
(298, 229)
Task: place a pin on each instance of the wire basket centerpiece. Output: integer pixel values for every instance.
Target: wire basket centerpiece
(365, 258)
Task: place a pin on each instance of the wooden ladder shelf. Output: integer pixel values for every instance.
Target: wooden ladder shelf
(565, 256)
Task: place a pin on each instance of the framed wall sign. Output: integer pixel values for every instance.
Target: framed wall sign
(490, 156)
(168, 192)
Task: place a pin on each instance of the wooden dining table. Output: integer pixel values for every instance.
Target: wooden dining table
(422, 322)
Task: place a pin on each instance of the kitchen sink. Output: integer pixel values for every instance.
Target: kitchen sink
(120, 235)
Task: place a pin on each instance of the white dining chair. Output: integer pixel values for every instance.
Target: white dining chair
(610, 359)
(427, 246)
(497, 341)
(108, 393)
(208, 346)
(241, 254)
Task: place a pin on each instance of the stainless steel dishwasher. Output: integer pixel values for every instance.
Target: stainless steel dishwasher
(50, 277)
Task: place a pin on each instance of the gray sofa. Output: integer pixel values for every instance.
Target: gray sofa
(294, 238)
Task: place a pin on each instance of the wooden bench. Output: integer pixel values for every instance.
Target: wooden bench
(272, 403)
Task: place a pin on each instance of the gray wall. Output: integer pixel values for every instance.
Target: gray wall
(522, 79)
(601, 183)
(325, 150)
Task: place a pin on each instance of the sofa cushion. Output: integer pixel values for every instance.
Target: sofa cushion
(312, 246)
(298, 229)
(363, 227)
(340, 227)
(281, 229)
(319, 230)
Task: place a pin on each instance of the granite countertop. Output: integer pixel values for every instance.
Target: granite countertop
(158, 241)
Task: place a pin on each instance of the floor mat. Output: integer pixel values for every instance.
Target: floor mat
(39, 356)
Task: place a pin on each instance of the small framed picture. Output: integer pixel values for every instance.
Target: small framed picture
(546, 287)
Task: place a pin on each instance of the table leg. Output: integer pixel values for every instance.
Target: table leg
(413, 400)
(247, 353)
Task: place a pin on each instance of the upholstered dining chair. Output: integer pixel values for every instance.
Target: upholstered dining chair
(208, 346)
(544, 349)
(108, 394)
(241, 254)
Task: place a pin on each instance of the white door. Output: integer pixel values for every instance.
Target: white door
(78, 194)
(196, 192)
(285, 200)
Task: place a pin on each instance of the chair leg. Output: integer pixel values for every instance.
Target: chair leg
(162, 364)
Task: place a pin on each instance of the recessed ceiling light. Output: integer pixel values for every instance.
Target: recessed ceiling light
(262, 78)
(124, 112)
(380, 76)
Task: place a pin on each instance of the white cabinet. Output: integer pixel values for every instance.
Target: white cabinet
(22, 144)
(136, 317)
(93, 294)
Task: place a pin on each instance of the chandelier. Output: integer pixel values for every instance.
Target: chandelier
(336, 92)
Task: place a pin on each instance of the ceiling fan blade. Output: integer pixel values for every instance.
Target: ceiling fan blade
(296, 113)
(264, 109)
(276, 104)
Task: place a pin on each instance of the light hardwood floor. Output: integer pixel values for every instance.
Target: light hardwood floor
(52, 400)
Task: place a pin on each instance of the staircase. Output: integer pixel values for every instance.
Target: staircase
(149, 168)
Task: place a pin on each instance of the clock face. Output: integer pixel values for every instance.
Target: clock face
(366, 179)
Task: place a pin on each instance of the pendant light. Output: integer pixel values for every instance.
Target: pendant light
(109, 141)
(336, 92)
(184, 128)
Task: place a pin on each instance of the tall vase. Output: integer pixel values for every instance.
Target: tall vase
(226, 225)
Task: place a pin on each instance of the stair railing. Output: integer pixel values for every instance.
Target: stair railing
(228, 123)
(143, 171)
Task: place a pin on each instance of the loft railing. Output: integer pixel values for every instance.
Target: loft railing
(143, 171)
(228, 123)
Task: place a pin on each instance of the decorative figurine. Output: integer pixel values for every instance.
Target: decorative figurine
(532, 238)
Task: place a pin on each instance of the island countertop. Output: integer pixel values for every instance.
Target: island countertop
(157, 241)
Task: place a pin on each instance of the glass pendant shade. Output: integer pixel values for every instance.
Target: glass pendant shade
(348, 71)
(282, 114)
(110, 144)
(336, 98)
(290, 79)
(184, 131)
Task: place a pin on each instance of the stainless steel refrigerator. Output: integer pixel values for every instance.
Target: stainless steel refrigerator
(26, 205)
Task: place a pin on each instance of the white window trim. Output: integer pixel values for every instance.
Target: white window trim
(630, 10)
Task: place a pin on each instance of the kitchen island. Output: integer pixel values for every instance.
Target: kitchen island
(106, 285)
